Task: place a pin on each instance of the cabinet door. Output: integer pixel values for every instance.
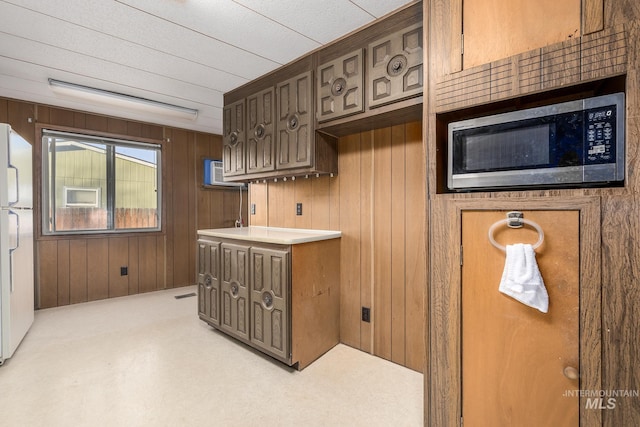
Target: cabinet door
(260, 131)
(395, 67)
(235, 293)
(496, 29)
(233, 139)
(295, 121)
(340, 87)
(208, 269)
(515, 359)
(270, 300)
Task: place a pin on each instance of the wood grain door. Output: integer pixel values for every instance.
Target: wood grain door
(295, 120)
(208, 270)
(513, 356)
(496, 29)
(233, 139)
(270, 301)
(260, 131)
(235, 291)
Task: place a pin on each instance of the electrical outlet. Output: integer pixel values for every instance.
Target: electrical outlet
(366, 314)
(253, 208)
(298, 209)
(124, 271)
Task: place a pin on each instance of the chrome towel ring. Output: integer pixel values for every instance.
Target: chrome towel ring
(515, 220)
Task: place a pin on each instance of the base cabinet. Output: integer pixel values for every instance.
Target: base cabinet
(208, 274)
(234, 290)
(282, 300)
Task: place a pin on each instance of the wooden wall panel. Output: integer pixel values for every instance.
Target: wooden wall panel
(382, 250)
(147, 264)
(416, 236)
(180, 200)
(63, 272)
(133, 266)
(378, 203)
(350, 207)
(74, 269)
(118, 257)
(78, 271)
(47, 273)
(367, 213)
(97, 269)
(398, 239)
(258, 197)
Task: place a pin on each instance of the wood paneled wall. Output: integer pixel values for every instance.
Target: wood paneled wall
(377, 200)
(620, 229)
(74, 269)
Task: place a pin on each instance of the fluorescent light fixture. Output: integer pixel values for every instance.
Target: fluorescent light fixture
(121, 100)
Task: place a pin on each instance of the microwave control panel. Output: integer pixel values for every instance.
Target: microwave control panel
(600, 137)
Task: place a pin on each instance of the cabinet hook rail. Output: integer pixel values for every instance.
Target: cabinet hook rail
(515, 220)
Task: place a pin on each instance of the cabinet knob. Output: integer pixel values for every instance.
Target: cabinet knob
(234, 289)
(571, 373)
(292, 122)
(397, 65)
(338, 87)
(260, 131)
(267, 300)
(233, 138)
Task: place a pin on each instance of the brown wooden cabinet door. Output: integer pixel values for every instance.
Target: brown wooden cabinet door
(270, 300)
(208, 270)
(295, 122)
(514, 356)
(496, 29)
(234, 290)
(233, 139)
(340, 87)
(261, 131)
(395, 67)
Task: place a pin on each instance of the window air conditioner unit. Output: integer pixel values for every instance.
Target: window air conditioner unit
(213, 174)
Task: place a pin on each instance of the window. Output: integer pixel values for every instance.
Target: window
(94, 184)
(88, 197)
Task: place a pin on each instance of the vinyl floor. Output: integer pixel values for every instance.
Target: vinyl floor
(147, 360)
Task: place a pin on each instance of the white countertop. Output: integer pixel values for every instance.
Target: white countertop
(281, 236)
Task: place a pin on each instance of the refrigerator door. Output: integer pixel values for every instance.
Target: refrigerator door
(16, 275)
(15, 164)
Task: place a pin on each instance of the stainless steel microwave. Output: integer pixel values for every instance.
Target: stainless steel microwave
(569, 144)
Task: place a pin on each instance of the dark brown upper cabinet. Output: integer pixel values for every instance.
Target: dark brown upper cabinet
(340, 87)
(394, 69)
(294, 115)
(261, 131)
(234, 139)
(295, 121)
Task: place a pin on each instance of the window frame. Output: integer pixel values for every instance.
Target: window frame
(111, 144)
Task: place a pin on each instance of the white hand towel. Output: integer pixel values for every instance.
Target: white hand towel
(521, 277)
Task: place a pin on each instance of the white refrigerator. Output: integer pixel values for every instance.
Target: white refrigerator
(16, 241)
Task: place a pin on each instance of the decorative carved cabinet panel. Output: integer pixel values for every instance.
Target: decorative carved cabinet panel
(209, 281)
(234, 139)
(270, 299)
(295, 121)
(260, 131)
(394, 66)
(235, 290)
(281, 299)
(340, 87)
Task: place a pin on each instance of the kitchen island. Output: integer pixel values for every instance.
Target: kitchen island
(274, 289)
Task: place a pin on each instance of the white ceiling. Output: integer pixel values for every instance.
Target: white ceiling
(182, 52)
